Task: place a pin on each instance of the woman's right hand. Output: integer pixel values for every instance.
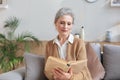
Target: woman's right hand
(59, 74)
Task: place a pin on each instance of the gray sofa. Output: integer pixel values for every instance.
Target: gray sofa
(110, 60)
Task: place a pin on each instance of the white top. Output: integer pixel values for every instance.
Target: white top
(62, 48)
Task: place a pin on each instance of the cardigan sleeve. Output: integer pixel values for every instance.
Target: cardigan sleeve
(46, 52)
(84, 74)
(81, 52)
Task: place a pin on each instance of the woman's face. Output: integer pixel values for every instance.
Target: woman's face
(64, 25)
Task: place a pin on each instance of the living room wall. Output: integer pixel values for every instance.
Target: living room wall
(37, 16)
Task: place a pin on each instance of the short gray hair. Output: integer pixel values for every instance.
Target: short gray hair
(62, 12)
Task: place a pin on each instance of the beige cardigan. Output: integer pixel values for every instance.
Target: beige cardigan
(75, 51)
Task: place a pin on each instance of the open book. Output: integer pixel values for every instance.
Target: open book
(53, 63)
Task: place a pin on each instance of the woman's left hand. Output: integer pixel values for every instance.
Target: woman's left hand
(59, 74)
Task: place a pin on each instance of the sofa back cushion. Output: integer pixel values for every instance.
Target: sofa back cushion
(94, 64)
(34, 67)
(111, 61)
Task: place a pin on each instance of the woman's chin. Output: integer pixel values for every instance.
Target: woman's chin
(65, 34)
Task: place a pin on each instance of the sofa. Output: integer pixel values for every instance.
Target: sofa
(107, 69)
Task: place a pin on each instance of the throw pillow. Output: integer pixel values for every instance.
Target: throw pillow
(97, 48)
(111, 61)
(94, 64)
(34, 67)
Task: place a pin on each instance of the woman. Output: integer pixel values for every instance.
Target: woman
(67, 47)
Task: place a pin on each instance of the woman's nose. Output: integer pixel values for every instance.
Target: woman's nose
(65, 26)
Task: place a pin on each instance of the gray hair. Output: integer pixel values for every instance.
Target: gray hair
(62, 12)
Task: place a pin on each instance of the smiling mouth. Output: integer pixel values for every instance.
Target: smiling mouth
(64, 30)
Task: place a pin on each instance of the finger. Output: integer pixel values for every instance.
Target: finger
(57, 73)
(60, 70)
(54, 77)
(70, 71)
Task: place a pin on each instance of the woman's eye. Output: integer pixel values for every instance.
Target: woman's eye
(69, 23)
(62, 23)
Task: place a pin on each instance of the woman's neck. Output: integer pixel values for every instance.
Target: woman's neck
(62, 39)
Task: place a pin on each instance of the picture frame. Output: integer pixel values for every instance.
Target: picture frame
(115, 3)
(3, 4)
(91, 1)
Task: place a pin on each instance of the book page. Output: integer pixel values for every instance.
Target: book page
(77, 66)
(53, 63)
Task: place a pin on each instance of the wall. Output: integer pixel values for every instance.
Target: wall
(37, 16)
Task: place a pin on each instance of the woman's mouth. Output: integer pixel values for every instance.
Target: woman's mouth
(64, 30)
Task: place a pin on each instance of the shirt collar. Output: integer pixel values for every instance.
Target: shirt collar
(70, 39)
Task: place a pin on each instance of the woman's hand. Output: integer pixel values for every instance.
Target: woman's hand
(59, 74)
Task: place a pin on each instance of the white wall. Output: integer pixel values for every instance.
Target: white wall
(37, 16)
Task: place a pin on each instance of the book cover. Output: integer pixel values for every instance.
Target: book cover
(53, 62)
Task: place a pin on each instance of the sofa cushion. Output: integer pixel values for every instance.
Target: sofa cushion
(111, 61)
(34, 67)
(94, 64)
(17, 74)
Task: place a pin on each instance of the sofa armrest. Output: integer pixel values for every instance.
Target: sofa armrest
(17, 74)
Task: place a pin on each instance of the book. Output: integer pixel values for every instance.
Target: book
(53, 62)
